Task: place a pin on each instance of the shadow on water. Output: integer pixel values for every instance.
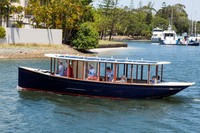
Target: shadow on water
(82, 103)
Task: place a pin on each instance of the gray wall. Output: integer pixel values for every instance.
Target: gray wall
(38, 36)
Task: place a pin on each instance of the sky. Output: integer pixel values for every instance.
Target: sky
(192, 6)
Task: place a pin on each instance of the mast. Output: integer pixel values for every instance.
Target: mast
(195, 29)
(172, 17)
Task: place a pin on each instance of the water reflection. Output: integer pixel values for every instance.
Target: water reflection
(80, 102)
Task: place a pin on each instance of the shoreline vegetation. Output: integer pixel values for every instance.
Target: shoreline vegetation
(23, 51)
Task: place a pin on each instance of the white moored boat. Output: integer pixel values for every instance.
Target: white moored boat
(156, 35)
(169, 37)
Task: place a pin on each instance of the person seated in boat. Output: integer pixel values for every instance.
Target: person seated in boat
(154, 80)
(122, 80)
(91, 73)
(61, 69)
(71, 75)
(158, 80)
(109, 74)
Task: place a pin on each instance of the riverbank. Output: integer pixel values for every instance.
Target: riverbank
(18, 51)
(33, 50)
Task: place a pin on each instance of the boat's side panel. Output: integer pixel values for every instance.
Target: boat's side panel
(38, 81)
(155, 39)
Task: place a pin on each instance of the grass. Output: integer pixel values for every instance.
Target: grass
(105, 42)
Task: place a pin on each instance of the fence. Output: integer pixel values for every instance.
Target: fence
(30, 36)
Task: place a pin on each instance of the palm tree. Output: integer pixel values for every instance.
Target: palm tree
(5, 10)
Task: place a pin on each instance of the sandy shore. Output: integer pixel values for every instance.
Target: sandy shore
(27, 51)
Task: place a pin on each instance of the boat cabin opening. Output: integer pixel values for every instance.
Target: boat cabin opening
(111, 70)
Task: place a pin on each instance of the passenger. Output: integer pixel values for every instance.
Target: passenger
(61, 69)
(122, 80)
(71, 74)
(91, 73)
(154, 80)
(158, 79)
(109, 74)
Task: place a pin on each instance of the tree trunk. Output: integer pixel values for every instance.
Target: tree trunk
(1, 18)
(7, 17)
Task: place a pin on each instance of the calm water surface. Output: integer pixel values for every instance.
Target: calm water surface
(24, 112)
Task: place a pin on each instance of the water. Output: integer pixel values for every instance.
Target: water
(24, 111)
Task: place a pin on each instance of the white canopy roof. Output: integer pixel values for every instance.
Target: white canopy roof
(106, 60)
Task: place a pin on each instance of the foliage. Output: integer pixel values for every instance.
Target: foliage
(177, 15)
(2, 32)
(6, 9)
(86, 37)
(159, 22)
(108, 19)
(139, 22)
(60, 14)
(109, 11)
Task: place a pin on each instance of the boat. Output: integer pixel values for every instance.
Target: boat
(169, 37)
(156, 35)
(193, 39)
(138, 83)
(193, 43)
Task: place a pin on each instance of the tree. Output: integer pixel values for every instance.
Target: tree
(176, 13)
(109, 9)
(86, 37)
(105, 11)
(2, 32)
(5, 10)
(159, 22)
(149, 9)
(67, 15)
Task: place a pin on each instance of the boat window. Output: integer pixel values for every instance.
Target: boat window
(169, 34)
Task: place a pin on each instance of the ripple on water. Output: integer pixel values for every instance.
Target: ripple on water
(24, 111)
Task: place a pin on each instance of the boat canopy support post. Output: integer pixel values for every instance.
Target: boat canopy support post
(136, 73)
(51, 66)
(131, 73)
(161, 73)
(86, 71)
(77, 70)
(98, 71)
(105, 76)
(149, 71)
(68, 68)
(118, 70)
(115, 71)
(141, 76)
(124, 70)
(127, 70)
(54, 65)
(156, 71)
(83, 70)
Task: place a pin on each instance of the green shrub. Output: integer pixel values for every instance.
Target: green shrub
(2, 32)
(86, 37)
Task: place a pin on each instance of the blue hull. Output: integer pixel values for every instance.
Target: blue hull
(37, 81)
